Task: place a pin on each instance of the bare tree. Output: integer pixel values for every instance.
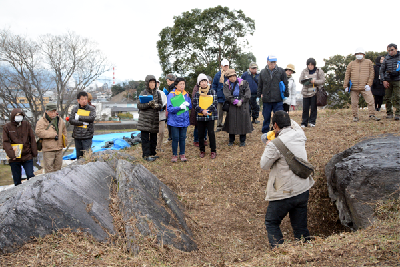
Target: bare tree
(72, 59)
(21, 75)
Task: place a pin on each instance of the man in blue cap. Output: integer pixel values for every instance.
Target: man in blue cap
(268, 90)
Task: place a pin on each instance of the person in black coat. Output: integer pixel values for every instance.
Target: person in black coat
(378, 90)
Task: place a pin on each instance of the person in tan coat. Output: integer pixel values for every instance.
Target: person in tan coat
(361, 74)
(51, 129)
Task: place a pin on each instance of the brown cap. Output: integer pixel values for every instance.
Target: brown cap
(230, 72)
(253, 65)
(290, 67)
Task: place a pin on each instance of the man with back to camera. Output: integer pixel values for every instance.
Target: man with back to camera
(251, 76)
(82, 117)
(390, 75)
(218, 86)
(268, 90)
(361, 73)
(286, 192)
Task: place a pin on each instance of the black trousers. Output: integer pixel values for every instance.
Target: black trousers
(232, 138)
(254, 107)
(307, 103)
(378, 101)
(149, 143)
(82, 145)
(202, 126)
(286, 107)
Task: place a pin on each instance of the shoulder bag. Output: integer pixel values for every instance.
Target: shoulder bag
(298, 166)
(322, 96)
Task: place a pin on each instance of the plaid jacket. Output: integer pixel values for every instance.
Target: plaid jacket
(212, 108)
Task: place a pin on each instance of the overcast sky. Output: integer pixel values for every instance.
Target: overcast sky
(127, 31)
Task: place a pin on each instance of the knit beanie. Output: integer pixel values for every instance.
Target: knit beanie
(201, 77)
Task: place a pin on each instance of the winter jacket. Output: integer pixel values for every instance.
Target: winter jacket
(48, 133)
(390, 64)
(19, 133)
(219, 87)
(291, 100)
(148, 116)
(81, 132)
(268, 85)
(213, 108)
(361, 73)
(175, 120)
(237, 120)
(310, 90)
(377, 85)
(282, 182)
(162, 115)
(253, 81)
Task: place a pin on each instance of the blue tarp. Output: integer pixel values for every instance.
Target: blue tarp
(100, 140)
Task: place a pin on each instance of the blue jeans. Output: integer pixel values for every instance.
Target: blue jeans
(178, 137)
(196, 134)
(267, 108)
(16, 170)
(297, 208)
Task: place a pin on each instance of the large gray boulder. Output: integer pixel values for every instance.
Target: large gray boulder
(150, 208)
(361, 175)
(76, 197)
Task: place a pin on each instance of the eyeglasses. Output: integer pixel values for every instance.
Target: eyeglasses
(391, 50)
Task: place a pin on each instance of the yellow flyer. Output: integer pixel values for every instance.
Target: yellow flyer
(205, 102)
(17, 149)
(82, 112)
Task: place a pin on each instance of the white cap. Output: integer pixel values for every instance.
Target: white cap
(360, 50)
(224, 62)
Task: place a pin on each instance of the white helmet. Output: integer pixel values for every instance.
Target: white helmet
(360, 50)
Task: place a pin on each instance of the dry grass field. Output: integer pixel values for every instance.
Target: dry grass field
(224, 201)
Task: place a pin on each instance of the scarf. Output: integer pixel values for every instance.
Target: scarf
(312, 71)
(53, 122)
(222, 78)
(204, 91)
(179, 92)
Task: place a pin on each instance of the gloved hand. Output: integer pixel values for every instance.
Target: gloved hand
(182, 106)
(186, 103)
(152, 103)
(239, 103)
(346, 90)
(86, 123)
(76, 117)
(156, 106)
(235, 101)
(367, 88)
(293, 107)
(394, 74)
(56, 138)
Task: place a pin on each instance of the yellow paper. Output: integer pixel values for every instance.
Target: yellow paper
(64, 141)
(17, 149)
(205, 102)
(82, 112)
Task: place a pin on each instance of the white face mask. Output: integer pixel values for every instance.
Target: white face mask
(19, 118)
(359, 57)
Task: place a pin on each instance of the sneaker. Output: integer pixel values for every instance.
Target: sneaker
(311, 125)
(205, 142)
(213, 155)
(156, 157)
(174, 159)
(230, 144)
(389, 116)
(373, 117)
(196, 144)
(242, 144)
(183, 158)
(355, 119)
(202, 154)
(303, 126)
(150, 159)
(397, 118)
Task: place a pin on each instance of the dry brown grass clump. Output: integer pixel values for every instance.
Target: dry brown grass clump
(224, 200)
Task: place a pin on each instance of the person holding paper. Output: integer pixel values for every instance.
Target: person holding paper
(19, 143)
(178, 106)
(82, 117)
(149, 112)
(237, 122)
(205, 103)
(51, 128)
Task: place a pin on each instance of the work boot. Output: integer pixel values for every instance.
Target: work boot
(355, 119)
(373, 117)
